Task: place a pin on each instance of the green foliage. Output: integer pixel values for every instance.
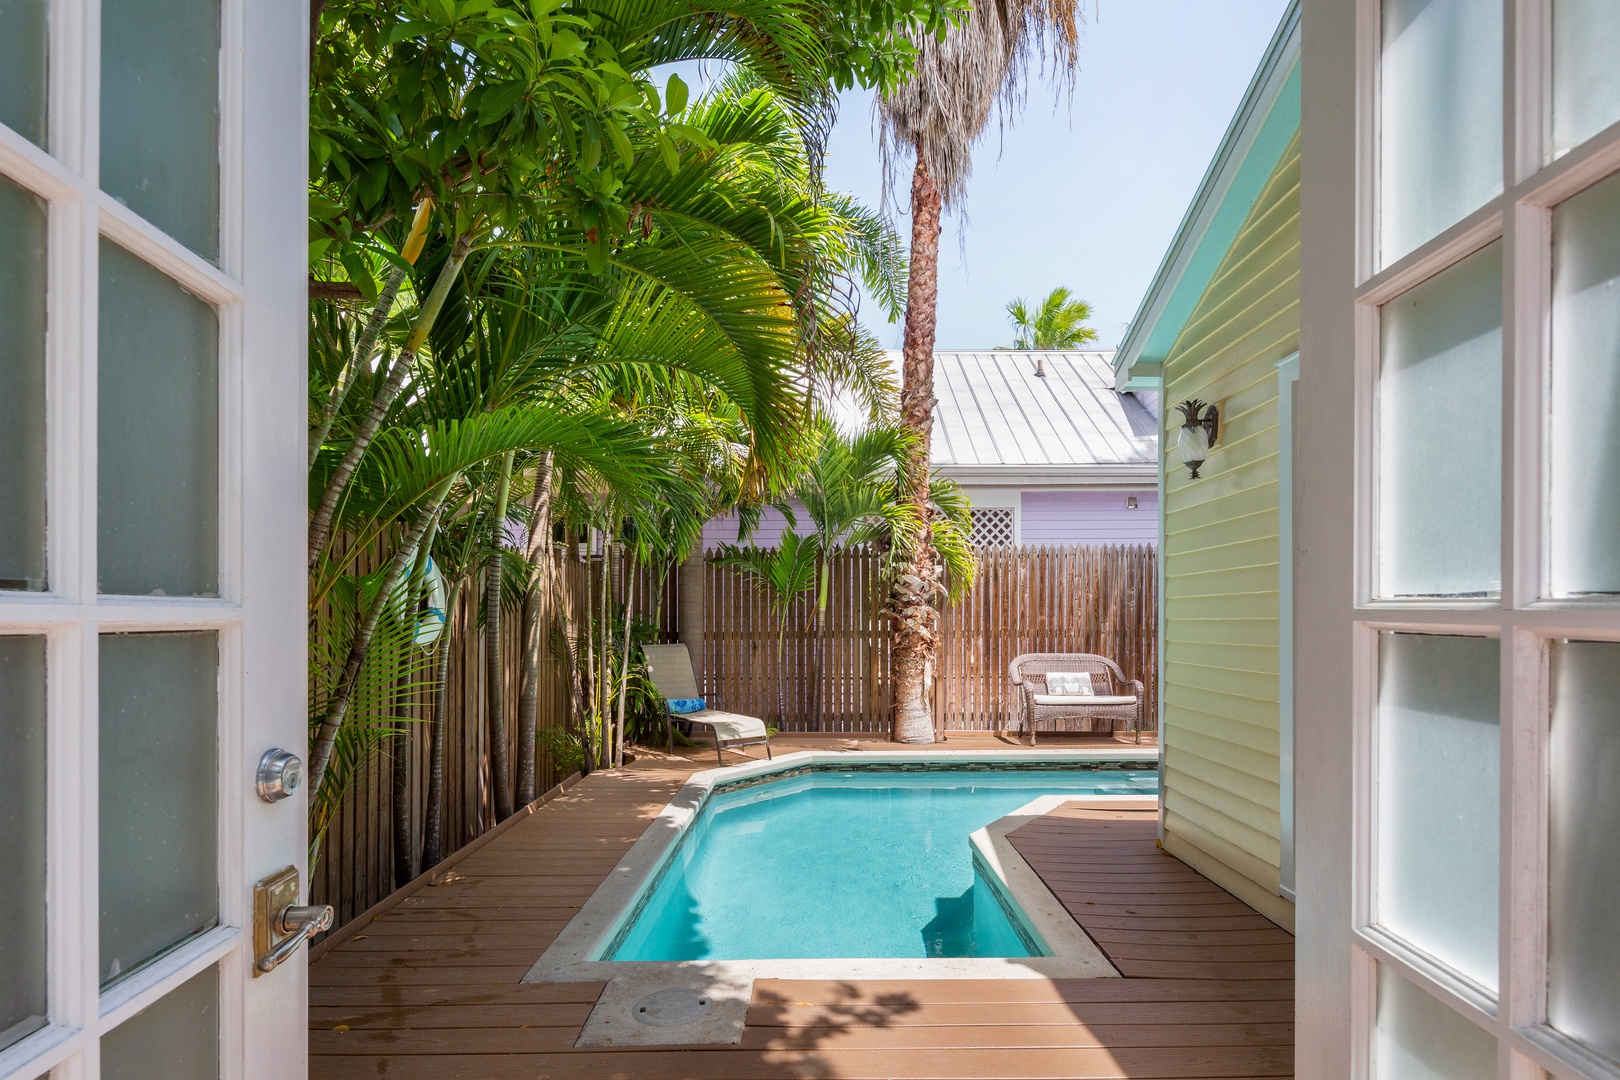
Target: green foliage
(565, 749)
(1059, 322)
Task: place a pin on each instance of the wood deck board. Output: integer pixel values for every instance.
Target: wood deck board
(430, 988)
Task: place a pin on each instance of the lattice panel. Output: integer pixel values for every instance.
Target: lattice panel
(993, 527)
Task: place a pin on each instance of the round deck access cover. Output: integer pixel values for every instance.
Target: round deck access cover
(672, 1008)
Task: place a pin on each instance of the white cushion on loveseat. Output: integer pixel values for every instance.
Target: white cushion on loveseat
(1082, 699)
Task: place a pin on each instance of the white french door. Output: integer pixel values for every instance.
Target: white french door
(1483, 554)
(152, 302)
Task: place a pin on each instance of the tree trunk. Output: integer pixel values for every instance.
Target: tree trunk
(404, 850)
(914, 618)
(357, 362)
(624, 681)
(433, 814)
(320, 524)
(818, 647)
(500, 775)
(538, 554)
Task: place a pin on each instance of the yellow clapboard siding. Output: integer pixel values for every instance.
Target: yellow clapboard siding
(1220, 555)
(1242, 757)
(1222, 816)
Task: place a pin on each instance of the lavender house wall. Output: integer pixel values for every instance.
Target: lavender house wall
(1045, 518)
(1088, 517)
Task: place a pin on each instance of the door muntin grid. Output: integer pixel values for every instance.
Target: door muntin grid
(1548, 595)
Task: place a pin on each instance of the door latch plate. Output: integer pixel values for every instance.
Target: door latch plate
(271, 896)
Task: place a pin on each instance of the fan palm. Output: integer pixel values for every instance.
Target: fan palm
(1059, 322)
(935, 118)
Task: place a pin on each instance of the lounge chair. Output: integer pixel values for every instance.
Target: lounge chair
(1113, 697)
(670, 667)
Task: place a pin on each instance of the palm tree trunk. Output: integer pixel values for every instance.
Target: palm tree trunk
(819, 645)
(320, 524)
(914, 618)
(404, 850)
(320, 754)
(538, 554)
(362, 356)
(500, 776)
(433, 814)
(624, 680)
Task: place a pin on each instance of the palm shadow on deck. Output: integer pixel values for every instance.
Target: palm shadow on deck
(431, 988)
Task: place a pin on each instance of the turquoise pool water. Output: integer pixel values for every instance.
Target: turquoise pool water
(861, 863)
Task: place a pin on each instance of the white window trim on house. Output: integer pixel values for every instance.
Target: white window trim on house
(1287, 380)
(996, 498)
(1340, 614)
(259, 293)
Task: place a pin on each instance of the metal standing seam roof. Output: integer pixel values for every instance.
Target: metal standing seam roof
(993, 411)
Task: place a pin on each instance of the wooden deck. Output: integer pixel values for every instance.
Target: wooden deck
(430, 988)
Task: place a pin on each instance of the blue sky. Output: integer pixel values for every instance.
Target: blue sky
(1086, 194)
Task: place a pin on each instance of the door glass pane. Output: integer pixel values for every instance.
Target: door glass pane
(159, 855)
(1586, 78)
(1440, 434)
(1420, 1038)
(1583, 935)
(1438, 773)
(22, 67)
(181, 1030)
(158, 446)
(22, 838)
(1585, 430)
(160, 114)
(1441, 92)
(22, 384)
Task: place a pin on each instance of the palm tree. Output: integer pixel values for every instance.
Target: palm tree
(1059, 323)
(935, 118)
(784, 574)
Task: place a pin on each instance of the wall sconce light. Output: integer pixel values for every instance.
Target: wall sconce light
(1200, 425)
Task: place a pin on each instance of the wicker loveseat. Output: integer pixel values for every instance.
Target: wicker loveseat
(1114, 698)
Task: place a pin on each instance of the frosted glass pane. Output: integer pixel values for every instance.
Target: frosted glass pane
(159, 854)
(1583, 935)
(22, 385)
(1441, 154)
(160, 114)
(1440, 434)
(180, 1030)
(1438, 778)
(1586, 76)
(22, 839)
(1420, 1038)
(158, 447)
(22, 67)
(1585, 446)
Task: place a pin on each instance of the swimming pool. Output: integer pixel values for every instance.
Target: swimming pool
(872, 861)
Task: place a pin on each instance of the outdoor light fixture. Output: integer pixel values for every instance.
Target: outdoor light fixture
(1199, 427)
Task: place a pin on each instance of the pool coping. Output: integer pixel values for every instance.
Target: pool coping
(571, 956)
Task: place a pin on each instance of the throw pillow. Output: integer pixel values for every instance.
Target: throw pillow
(687, 705)
(1068, 682)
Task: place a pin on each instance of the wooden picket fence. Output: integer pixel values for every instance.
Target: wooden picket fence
(355, 867)
(1080, 599)
(1045, 599)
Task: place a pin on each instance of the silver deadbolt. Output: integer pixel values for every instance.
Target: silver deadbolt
(281, 773)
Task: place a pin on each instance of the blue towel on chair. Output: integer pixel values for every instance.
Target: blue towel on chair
(687, 705)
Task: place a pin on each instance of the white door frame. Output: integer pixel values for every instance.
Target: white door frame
(259, 292)
(1339, 614)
